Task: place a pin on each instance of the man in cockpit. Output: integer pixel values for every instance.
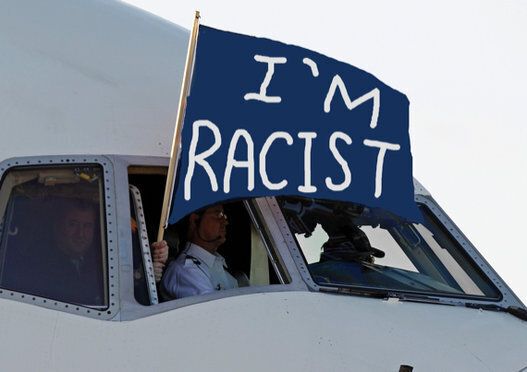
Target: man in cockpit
(200, 269)
(74, 265)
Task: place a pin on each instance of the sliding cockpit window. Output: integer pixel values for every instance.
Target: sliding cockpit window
(351, 246)
(52, 234)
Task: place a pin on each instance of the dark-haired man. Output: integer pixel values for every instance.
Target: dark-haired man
(74, 267)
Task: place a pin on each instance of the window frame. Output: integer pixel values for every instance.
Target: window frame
(259, 214)
(108, 208)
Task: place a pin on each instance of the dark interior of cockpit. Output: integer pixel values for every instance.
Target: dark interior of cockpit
(51, 245)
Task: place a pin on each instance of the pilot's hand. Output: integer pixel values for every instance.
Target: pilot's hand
(159, 257)
(159, 267)
(159, 252)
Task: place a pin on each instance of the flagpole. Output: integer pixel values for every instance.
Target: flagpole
(174, 156)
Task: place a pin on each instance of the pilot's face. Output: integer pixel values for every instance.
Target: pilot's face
(212, 227)
(76, 230)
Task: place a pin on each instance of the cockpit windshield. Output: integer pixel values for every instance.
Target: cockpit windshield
(348, 245)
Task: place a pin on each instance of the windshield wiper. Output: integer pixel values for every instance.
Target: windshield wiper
(356, 291)
(382, 294)
(417, 298)
(518, 312)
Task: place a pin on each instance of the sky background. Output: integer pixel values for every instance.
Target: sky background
(463, 66)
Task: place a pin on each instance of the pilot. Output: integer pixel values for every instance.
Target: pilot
(73, 267)
(74, 264)
(200, 269)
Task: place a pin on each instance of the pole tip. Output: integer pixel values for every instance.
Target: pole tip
(197, 14)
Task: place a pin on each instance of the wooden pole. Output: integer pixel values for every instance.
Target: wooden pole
(176, 142)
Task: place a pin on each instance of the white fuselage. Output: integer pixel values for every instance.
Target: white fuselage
(100, 77)
(263, 331)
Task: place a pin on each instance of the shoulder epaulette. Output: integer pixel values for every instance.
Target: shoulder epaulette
(194, 259)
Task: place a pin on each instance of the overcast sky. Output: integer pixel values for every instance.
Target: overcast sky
(463, 65)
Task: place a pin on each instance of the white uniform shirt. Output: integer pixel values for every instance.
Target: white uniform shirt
(196, 271)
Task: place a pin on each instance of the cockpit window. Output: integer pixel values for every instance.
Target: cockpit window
(348, 245)
(52, 234)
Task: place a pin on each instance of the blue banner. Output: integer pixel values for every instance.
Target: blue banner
(265, 118)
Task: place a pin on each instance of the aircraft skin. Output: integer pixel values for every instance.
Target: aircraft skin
(82, 80)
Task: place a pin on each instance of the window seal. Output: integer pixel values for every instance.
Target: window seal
(275, 259)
